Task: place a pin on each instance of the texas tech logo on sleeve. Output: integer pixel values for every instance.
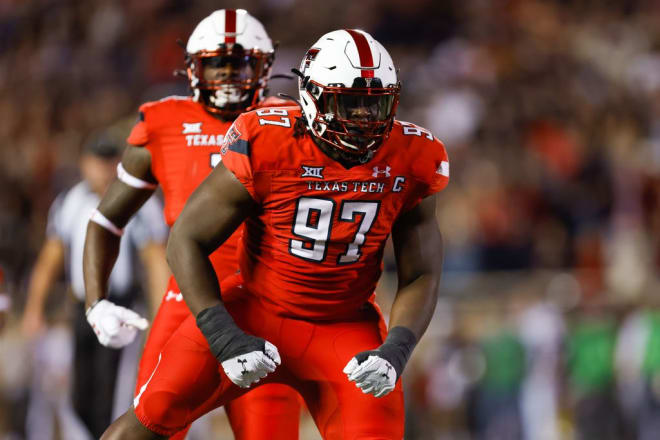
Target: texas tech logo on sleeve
(232, 136)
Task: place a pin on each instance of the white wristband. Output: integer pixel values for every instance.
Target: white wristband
(101, 220)
(5, 302)
(133, 181)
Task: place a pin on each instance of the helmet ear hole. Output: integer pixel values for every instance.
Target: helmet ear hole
(313, 89)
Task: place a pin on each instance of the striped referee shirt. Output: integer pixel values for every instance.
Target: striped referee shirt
(67, 221)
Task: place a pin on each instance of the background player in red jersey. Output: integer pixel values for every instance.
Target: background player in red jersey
(318, 209)
(176, 143)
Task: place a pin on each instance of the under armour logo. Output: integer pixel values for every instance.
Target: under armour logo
(387, 373)
(178, 297)
(378, 171)
(312, 172)
(243, 362)
(194, 127)
(443, 169)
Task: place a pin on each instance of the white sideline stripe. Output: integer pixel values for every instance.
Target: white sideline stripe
(136, 401)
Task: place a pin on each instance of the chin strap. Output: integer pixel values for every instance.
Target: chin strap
(366, 157)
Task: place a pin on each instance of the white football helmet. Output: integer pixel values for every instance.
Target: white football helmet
(232, 38)
(349, 91)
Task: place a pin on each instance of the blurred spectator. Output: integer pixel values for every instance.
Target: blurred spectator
(541, 330)
(629, 357)
(495, 407)
(649, 411)
(590, 369)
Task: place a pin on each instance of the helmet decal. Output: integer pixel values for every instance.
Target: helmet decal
(310, 56)
(230, 26)
(366, 59)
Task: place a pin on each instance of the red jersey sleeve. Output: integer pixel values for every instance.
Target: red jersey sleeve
(439, 178)
(430, 167)
(236, 153)
(140, 133)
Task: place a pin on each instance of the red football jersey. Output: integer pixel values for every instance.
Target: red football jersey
(315, 250)
(184, 141)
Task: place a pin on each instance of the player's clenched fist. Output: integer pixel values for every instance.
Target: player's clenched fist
(246, 359)
(115, 326)
(376, 371)
(374, 375)
(249, 368)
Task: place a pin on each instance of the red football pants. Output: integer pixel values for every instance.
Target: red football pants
(267, 412)
(188, 381)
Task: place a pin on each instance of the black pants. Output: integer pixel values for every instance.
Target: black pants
(649, 413)
(94, 375)
(597, 416)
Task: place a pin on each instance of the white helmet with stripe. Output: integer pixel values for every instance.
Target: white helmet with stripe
(235, 38)
(349, 91)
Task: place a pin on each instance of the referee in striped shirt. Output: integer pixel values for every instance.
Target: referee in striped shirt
(95, 366)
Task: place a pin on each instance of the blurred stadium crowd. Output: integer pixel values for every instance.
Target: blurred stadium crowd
(549, 327)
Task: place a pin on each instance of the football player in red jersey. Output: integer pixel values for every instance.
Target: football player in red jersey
(318, 209)
(176, 143)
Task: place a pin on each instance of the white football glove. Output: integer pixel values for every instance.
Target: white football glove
(249, 368)
(115, 326)
(374, 376)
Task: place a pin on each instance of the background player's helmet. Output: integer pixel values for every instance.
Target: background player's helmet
(236, 38)
(343, 70)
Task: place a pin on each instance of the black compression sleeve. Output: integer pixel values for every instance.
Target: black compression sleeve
(396, 349)
(225, 339)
